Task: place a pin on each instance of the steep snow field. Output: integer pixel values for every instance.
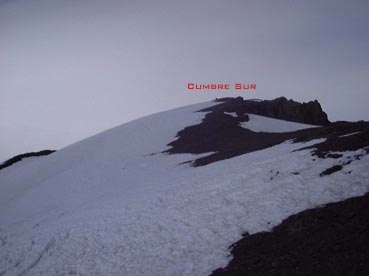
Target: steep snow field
(113, 204)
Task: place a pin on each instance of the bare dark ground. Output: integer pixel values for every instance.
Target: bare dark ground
(330, 241)
(222, 134)
(19, 157)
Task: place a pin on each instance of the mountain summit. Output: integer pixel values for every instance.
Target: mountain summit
(281, 108)
(170, 193)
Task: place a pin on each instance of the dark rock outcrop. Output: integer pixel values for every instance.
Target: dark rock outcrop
(222, 134)
(19, 157)
(332, 241)
(340, 136)
(307, 113)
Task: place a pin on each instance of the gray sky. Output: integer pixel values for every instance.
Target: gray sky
(72, 68)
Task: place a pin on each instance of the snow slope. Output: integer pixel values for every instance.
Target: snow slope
(264, 124)
(113, 204)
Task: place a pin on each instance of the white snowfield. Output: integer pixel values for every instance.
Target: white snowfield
(109, 206)
(264, 124)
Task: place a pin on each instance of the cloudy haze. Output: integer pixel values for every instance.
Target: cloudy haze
(72, 68)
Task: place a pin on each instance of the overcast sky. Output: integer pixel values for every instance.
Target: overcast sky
(72, 68)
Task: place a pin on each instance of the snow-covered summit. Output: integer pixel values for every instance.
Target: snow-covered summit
(124, 202)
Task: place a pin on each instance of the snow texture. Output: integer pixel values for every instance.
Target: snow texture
(114, 205)
(346, 135)
(264, 124)
(255, 100)
(233, 114)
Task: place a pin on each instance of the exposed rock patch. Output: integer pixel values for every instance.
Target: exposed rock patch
(337, 137)
(221, 133)
(307, 113)
(330, 241)
(331, 170)
(19, 157)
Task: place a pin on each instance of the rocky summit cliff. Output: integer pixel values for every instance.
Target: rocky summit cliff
(281, 108)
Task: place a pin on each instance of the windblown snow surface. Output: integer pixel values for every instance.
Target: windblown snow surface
(113, 204)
